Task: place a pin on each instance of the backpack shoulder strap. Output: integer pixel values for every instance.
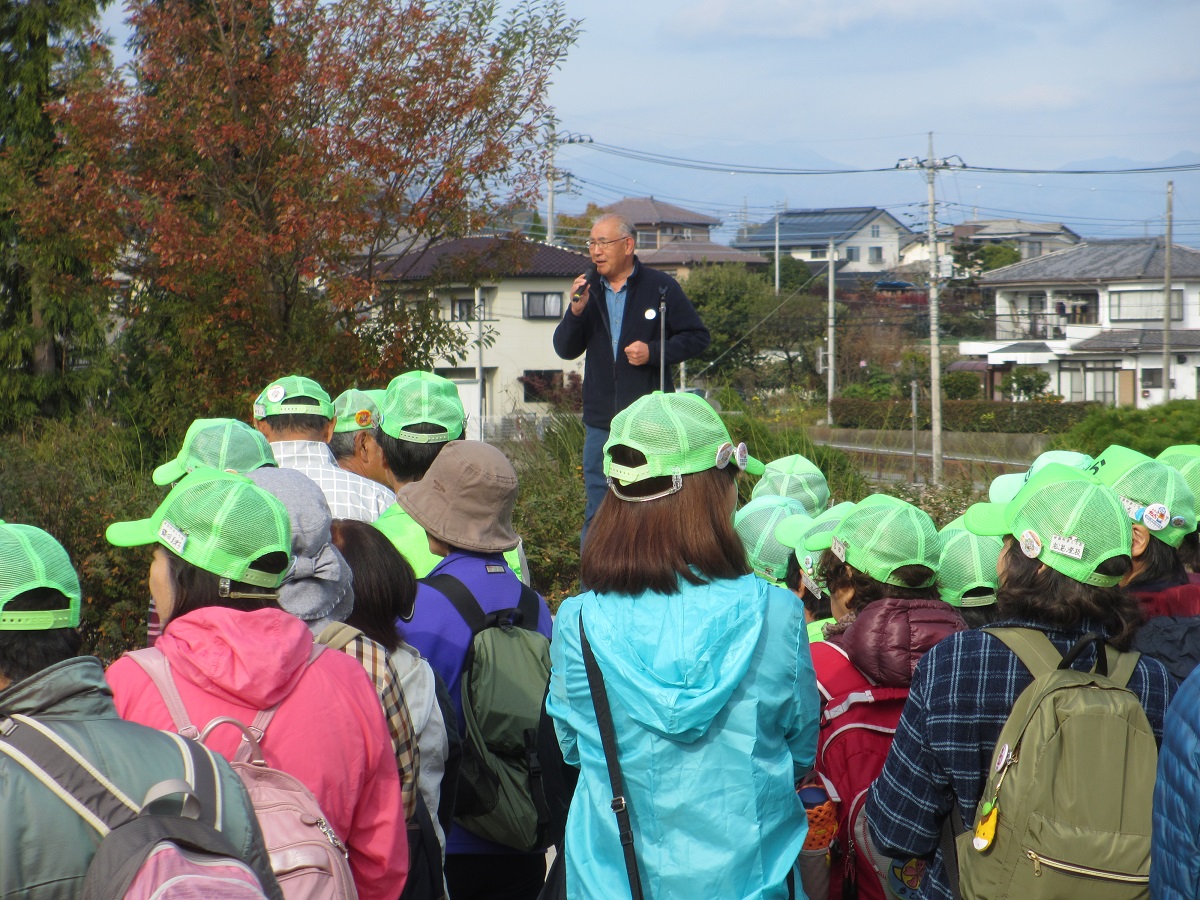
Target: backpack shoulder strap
(530, 608)
(461, 598)
(836, 675)
(245, 750)
(154, 662)
(1031, 647)
(1121, 670)
(337, 635)
(62, 769)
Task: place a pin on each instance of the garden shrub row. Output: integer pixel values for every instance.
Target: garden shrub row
(963, 415)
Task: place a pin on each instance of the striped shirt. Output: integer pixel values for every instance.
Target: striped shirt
(350, 496)
(962, 693)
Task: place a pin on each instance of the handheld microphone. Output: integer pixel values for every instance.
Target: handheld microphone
(589, 273)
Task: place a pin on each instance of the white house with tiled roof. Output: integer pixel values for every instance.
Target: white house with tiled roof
(1092, 316)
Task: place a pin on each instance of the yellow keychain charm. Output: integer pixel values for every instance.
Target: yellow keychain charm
(985, 831)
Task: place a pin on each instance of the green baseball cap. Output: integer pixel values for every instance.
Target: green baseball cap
(755, 524)
(218, 521)
(968, 563)
(679, 434)
(1005, 487)
(796, 477)
(417, 398)
(29, 559)
(278, 399)
(357, 410)
(1064, 517)
(881, 534)
(794, 531)
(224, 444)
(1153, 493)
(1185, 459)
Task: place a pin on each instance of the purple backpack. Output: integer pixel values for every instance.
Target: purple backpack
(307, 856)
(142, 854)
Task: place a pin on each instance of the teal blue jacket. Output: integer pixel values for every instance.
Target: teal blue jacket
(715, 708)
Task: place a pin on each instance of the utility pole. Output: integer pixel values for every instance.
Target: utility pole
(479, 353)
(830, 339)
(778, 213)
(552, 177)
(930, 167)
(1166, 335)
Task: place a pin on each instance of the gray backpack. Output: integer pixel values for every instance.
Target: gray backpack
(1066, 811)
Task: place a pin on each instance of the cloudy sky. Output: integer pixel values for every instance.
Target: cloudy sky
(1042, 84)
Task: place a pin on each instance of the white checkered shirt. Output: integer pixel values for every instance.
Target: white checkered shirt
(350, 496)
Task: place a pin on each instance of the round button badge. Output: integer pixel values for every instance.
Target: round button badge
(275, 393)
(1031, 544)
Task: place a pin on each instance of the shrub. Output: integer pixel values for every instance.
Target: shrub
(961, 386)
(963, 415)
(1148, 431)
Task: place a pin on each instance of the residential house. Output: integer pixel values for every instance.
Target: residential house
(1032, 239)
(866, 240)
(677, 240)
(1092, 316)
(523, 286)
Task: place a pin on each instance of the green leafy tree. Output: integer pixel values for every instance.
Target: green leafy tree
(52, 301)
(961, 386)
(726, 297)
(1025, 383)
(1149, 431)
(975, 259)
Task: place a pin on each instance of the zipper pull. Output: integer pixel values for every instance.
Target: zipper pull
(1037, 863)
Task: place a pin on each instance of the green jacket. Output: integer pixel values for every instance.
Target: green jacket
(409, 538)
(45, 847)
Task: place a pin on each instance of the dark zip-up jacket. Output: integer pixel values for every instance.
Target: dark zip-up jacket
(611, 385)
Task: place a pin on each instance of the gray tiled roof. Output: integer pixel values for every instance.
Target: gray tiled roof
(648, 211)
(495, 256)
(811, 226)
(1137, 340)
(1025, 347)
(1099, 261)
(686, 252)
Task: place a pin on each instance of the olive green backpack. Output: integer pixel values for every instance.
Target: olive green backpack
(1066, 811)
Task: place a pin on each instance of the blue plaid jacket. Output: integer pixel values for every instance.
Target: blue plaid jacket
(962, 692)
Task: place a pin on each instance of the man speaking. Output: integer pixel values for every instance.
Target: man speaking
(614, 317)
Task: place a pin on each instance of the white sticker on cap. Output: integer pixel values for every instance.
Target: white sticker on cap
(811, 586)
(1132, 508)
(172, 536)
(260, 411)
(1031, 544)
(1066, 546)
(1156, 517)
(839, 549)
(275, 393)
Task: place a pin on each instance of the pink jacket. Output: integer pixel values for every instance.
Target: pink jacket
(329, 731)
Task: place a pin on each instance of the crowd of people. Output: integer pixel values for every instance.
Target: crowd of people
(349, 688)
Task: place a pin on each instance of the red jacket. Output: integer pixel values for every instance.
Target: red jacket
(1177, 600)
(329, 731)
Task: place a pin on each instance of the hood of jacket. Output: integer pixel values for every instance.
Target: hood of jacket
(889, 637)
(71, 689)
(674, 660)
(245, 658)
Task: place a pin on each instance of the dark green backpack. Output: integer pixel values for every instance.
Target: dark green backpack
(1066, 811)
(504, 679)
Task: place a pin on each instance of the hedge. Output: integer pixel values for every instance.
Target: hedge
(963, 415)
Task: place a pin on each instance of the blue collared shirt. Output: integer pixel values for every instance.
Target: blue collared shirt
(615, 300)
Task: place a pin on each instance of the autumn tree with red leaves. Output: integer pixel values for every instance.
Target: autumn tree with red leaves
(267, 156)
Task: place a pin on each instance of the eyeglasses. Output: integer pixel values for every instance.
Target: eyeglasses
(601, 242)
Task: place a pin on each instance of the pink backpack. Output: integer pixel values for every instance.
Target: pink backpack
(144, 853)
(308, 858)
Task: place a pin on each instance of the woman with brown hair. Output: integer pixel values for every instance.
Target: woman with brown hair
(707, 672)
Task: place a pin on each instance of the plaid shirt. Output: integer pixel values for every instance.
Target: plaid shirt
(374, 658)
(962, 692)
(350, 496)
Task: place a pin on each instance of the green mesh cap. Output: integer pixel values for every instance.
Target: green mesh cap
(417, 398)
(1154, 494)
(795, 477)
(755, 524)
(29, 559)
(679, 434)
(1005, 487)
(278, 399)
(217, 521)
(881, 534)
(968, 563)
(224, 444)
(1064, 517)
(793, 532)
(357, 410)
(1184, 459)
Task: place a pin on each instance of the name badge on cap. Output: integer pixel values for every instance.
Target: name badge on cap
(172, 536)
(1066, 546)
(1156, 517)
(260, 411)
(839, 549)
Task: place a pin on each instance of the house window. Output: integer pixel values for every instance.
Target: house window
(462, 309)
(816, 253)
(1035, 249)
(874, 231)
(852, 254)
(647, 240)
(1143, 306)
(540, 384)
(1151, 378)
(875, 254)
(543, 305)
